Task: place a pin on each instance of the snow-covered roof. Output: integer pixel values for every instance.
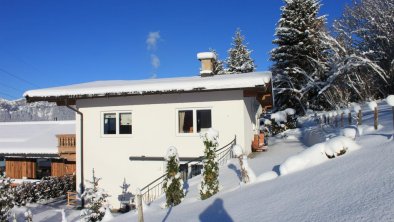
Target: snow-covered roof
(32, 137)
(151, 86)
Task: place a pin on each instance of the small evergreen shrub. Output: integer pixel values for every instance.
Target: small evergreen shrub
(173, 183)
(95, 198)
(209, 181)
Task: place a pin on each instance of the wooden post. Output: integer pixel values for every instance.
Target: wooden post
(349, 118)
(393, 117)
(336, 120)
(139, 207)
(375, 115)
(342, 120)
(359, 118)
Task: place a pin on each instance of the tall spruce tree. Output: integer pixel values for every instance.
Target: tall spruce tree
(173, 183)
(239, 60)
(299, 59)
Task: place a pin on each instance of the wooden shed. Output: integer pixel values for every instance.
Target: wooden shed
(32, 150)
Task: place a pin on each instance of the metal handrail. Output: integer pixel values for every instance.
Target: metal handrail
(151, 193)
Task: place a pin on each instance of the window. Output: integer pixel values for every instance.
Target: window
(194, 120)
(117, 123)
(2, 166)
(124, 123)
(43, 168)
(110, 123)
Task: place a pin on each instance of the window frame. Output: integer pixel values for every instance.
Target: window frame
(194, 109)
(117, 123)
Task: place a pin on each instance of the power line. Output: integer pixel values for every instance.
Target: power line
(19, 78)
(10, 87)
(8, 95)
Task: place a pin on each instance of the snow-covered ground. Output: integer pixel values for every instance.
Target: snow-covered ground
(355, 186)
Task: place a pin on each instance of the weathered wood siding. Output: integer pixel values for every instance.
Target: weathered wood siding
(62, 167)
(17, 168)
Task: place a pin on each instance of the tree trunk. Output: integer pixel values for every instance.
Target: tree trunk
(349, 118)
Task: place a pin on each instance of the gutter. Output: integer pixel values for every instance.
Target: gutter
(82, 186)
(155, 158)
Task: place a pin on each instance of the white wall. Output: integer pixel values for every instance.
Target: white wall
(154, 129)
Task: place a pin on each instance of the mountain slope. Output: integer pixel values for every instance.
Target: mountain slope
(19, 110)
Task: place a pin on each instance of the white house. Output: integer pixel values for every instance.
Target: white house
(117, 120)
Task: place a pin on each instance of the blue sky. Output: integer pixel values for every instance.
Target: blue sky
(50, 43)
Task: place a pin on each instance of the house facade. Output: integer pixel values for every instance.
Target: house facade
(119, 120)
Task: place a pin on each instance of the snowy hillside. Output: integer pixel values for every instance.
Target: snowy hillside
(356, 186)
(19, 110)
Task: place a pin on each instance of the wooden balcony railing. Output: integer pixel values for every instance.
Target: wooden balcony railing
(66, 146)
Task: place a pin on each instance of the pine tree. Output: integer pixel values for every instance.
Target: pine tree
(218, 68)
(6, 200)
(300, 56)
(95, 198)
(173, 183)
(239, 60)
(209, 180)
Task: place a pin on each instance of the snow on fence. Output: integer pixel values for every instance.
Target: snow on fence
(154, 190)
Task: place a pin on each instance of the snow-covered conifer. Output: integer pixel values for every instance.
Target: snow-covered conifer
(299, 58)
(239, 60)
(173, 183)
(209, 180)
(218, 68)
(6, 198)
(95, 198)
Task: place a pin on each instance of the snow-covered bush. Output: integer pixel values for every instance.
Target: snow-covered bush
(247, 174)
(46, 188)
(25, 193)
(173, 183)
(209, 180)
(318, 154)
(95, 198)
(6, 198)
(283, 120)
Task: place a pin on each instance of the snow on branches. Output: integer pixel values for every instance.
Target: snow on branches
(173, 183)
(95, 198)
(209, 180)
(239, 60)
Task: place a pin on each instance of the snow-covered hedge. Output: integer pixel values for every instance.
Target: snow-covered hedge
(6, 198)
(45, 189)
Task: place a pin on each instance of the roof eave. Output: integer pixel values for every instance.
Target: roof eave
(71, 99)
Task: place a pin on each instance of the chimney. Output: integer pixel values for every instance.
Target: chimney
(207, 59)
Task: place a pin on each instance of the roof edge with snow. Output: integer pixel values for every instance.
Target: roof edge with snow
(69, 94)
